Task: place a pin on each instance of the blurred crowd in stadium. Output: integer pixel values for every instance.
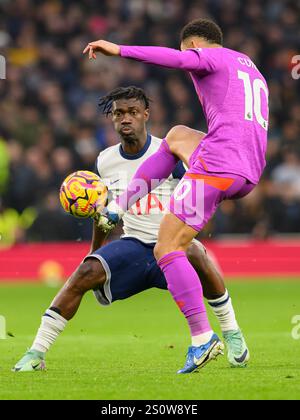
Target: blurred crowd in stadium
(50, 124)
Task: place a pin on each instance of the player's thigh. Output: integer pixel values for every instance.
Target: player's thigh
(89, 274)
(199, 193)
(184, 141)
(174, 235)
(194, 201)
(125, 262)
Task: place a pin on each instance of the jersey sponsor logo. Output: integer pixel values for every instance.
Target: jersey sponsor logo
(150, 205)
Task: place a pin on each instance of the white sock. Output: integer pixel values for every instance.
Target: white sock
(223, 309)
(51, 326)
(198, 340)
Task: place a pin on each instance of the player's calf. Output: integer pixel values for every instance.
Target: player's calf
(88, 276)
(220, 303)
(210, 277)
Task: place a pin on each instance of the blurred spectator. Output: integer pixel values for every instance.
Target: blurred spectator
(50, 124)
(85, 145)
(62, 164)
(288, 172)
(51, 223)
(22, 186)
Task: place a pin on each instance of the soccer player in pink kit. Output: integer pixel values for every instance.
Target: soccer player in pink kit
(226, 164)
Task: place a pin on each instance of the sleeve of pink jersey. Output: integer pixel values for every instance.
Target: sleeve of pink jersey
(194, 60)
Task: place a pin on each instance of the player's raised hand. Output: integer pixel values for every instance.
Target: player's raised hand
(104, 47)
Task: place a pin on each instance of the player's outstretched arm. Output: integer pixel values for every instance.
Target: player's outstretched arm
(166, 57)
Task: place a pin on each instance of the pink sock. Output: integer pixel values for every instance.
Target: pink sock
(185, 287)
(150, 174)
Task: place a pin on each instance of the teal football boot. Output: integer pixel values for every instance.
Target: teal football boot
(237, 351)
(31, 361)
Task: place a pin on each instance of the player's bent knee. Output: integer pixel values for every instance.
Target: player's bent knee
(196, 250)
(89, 275)
(176, 133)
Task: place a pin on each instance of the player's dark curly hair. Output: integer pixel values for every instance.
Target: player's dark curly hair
(130, 92)
(203, 28)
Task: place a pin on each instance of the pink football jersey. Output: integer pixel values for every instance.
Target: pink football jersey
(234, 97)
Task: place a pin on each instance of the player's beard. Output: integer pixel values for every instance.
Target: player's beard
(131, 138)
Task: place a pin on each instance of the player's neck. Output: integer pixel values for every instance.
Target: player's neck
(199, 43)
(206, 45)
(134, 146)
(214, 46)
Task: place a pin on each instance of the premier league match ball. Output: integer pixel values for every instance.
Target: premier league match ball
(82, 193)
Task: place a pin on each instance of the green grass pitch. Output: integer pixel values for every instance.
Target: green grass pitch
(132, 349)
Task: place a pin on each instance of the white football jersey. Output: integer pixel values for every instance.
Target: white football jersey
(116, 169)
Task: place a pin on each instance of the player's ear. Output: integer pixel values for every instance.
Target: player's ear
(193, 43)
(147, 114)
